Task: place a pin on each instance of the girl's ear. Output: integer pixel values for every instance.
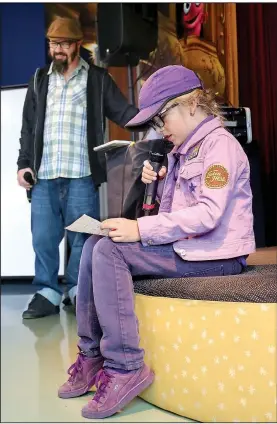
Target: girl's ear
(192, 107)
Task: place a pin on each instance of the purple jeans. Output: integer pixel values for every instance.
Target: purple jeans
(106, 319)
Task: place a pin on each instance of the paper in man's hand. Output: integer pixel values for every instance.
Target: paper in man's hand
(88, 225)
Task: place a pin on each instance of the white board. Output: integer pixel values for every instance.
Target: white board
(17, 256)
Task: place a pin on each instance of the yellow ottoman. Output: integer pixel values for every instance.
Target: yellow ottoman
(215, 361)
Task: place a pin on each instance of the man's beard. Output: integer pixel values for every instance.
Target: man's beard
(61, 65)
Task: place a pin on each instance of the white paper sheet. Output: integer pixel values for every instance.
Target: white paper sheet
(88, 225)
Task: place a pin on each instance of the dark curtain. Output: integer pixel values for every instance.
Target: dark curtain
(257, 57)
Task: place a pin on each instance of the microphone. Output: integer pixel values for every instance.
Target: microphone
(29, 179)
(156, 158)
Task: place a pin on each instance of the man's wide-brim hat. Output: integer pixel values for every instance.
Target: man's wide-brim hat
(67, 28)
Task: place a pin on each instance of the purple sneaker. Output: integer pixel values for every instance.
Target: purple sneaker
(116, 390)
(82, 376)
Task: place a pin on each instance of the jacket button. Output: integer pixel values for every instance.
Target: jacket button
(177, 186)
(150, 242)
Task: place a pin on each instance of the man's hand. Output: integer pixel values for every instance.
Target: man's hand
(122, 230)
(21, 180)
(148, 175)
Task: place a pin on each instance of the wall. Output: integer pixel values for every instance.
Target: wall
(22, 40)
(17, 255)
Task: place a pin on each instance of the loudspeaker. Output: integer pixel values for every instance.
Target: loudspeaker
(127, 32)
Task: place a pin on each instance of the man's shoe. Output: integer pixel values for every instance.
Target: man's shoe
(40, 307)
(82, 376)
(115, 390)
(67, 302)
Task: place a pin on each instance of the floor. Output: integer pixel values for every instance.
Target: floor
(35, 355)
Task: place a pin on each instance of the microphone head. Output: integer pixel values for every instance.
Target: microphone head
(28, 178)
(157, 150)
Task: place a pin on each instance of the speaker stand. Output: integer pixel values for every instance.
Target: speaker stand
(131, 93)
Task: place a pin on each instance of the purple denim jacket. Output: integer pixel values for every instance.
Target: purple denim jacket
(206, 207)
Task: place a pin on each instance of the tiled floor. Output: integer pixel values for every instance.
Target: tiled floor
(35, 355)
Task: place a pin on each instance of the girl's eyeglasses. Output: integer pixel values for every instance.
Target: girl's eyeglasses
(157, 122)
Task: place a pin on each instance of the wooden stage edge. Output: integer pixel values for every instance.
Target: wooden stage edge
(263, 256)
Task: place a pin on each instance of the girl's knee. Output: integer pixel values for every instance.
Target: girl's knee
(103, 247)
(90, 244)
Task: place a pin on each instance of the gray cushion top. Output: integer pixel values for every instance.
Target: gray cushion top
(257, 284)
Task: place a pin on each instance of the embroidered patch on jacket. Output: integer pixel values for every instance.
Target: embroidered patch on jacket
(216, 176)
(194, 152)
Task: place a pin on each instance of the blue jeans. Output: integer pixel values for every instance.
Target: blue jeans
(55, 205)
(106, 319)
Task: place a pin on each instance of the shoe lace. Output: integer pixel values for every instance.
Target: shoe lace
(102, 383)
(76, 367)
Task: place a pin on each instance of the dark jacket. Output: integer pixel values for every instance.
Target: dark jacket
(104, 99)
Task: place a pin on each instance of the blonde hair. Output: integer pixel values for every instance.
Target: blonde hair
(206, 99)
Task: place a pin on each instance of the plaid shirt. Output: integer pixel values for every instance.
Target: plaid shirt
(65, 151)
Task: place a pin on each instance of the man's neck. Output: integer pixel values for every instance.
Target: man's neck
(71, 68)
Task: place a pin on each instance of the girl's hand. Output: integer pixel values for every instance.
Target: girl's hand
(122, 230)
(148, 175)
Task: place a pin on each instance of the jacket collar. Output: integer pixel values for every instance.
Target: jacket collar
(203, 129)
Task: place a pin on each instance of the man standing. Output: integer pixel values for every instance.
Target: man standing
(63, 120)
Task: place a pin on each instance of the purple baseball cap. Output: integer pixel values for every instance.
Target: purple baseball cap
(164, 85)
